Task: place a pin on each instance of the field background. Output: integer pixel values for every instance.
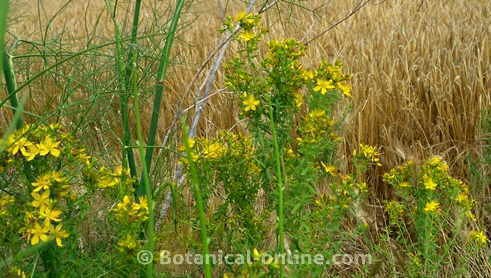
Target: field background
(421, 73)
(420, 68)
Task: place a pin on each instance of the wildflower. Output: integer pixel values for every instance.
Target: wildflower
(40, 200)
(478, 237)
(31, 152)
(369, 153)
(125, 204)
(429, 183)
(462, 197)
(56, 176)
(298, 99)
(142, 205)
(4, 202)
(471, 216)
(213, 150)
(317, 113)
(17, 144)
(59, 234)
(256, 254)
(18, 272)
(345, 88)
(329, 169)
(431, 206)
(129, 242)
(404, 184)
(247, 36)
(42, 183)
(250, 103)
(49, 146)
(40, 233)
(307, 75)
(244, 17)
(51, 214)
(323, 86)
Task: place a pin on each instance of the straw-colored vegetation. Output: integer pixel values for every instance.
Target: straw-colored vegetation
(387, 154)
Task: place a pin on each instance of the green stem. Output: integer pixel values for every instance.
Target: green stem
(11, 83)
(159, 87)
(203, 222)
(124, 80)
(150, 229)
(130, 68)
(280, 189)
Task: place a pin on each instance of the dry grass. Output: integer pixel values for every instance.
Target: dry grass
(420, 68)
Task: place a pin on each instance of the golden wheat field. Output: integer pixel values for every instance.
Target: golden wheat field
(420, 92)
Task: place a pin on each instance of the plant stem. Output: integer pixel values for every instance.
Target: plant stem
(159, 87)
(150, 229)
(196, 185)
(280, 188)
(11, 84)
(124, 81)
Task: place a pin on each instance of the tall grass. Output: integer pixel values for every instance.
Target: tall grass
(420, 84)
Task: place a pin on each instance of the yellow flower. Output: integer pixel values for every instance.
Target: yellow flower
(247, 36)
(369, 153)
(129, 242)
(307, 74)
(240, 16)
(39, 233)
(345, 88)
(479, 237)
(17, 144)
(30, 152)
(213, 150)
(429, 183)
(404, 184)
(49, 146)
(107, 181)
(256, 254)
(59, 234)
(461, 197)
(42, 183)
(40, 200)
(471, 216)
(431, 206)
(298, 99)
(250, 103)
(18, 272)
(323, 86)
(51, 214)
(56, 176)
(329, 169)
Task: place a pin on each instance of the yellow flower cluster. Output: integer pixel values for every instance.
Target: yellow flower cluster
(479, 237)
(316, 126)
(247, 23)
(110, 178)
(5, 201)
(18, 142)
(368, 153)
(329, 77)
(128, 211)
(129, 242)
(45, 220)
(431, 177)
